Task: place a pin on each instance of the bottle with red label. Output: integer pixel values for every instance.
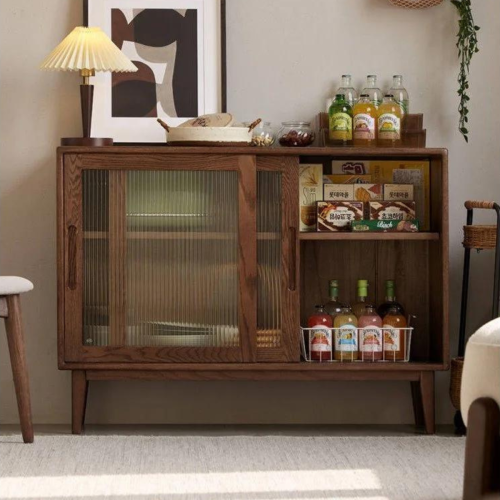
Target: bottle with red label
(320, 335)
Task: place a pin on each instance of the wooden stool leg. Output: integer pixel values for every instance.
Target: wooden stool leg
(427, 394)
(80, 388)
(15, 340)
(418, 410)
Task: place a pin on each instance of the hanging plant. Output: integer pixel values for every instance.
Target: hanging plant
(467, 47)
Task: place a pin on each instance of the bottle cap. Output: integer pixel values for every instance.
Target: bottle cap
(371, 76)
(334, 283)
(362, 283)
(346, 76)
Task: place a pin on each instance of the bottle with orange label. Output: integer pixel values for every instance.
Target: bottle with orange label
(395, 333)
(364, 125)
(390, 123)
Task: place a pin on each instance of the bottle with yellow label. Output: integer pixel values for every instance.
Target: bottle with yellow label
(364, 122)
(345, 330)
(340, 121)
(390, 121)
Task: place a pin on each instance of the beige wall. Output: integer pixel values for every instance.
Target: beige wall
(284, 56)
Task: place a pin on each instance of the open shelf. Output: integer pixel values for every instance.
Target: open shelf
(369, 236)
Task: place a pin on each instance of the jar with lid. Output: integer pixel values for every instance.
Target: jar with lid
(296, 134)
(263, 134)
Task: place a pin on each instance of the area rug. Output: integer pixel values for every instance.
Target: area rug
(233, 467)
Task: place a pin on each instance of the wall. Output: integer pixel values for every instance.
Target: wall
(284, 57)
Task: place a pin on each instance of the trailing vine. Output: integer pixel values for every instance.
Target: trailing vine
(467, 46)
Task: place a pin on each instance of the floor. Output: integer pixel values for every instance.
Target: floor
(232, 462)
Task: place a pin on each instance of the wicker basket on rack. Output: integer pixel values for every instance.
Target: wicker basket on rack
(457, 367)
(416, 4)
(480, 237)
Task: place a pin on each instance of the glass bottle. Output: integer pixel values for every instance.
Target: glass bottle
(340, 121)
(346, 335)
(373, 91)
(334, 307)
(394, 336)
(389, 123)
(364, 122)
(370, 335)
(320, 335)
(400, 93)
(390, 300)
(359, 307)
(346, 88)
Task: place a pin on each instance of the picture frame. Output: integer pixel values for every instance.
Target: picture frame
(179, 48)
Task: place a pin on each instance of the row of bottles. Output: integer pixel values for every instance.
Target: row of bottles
(382, 331)
(373, 92)
(365, 124)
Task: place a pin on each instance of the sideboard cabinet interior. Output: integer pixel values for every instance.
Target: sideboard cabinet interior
(187, 264)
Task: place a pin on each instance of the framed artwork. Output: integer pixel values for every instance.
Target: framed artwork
(178, 47)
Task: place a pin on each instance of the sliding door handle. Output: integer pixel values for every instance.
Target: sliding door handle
(292, 266)
(72, 253)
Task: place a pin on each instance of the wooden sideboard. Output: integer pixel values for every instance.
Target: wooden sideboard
(187, 264)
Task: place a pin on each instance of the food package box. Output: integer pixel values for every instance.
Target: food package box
(310, 191)
(352, 167)
(338, 215)
(392, 210)
(368, 192)
(347, 179)
(398, 192)
(408, 172)
(386, 226)
(338, 192)
(416, 172)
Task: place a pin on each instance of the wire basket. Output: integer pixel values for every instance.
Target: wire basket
(369, 344)
(480, 237)
(416, 4)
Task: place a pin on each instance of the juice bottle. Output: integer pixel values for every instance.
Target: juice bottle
(333, 307)
(346, 88)
(400, 93)
(389, 123)
(340, 121)
(390, 300)
(359, 307)
(370, 335)
(394, 337)
(320, 335)
(346, 335)
(373, 91)
(364, 122)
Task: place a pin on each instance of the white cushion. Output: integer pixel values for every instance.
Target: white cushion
(12, 285)
(481, 374)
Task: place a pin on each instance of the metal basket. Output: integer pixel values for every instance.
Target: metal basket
(321, 345)
(416, 4)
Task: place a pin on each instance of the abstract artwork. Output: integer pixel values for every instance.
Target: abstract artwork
(177, 47)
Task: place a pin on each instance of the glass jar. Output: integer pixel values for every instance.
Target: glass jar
(299, 134)
(263, 135)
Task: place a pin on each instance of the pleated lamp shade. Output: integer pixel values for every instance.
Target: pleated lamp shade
(88, 49)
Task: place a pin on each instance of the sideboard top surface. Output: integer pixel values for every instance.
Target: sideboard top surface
(341, 152)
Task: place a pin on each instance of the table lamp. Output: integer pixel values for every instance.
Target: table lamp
(87, 50)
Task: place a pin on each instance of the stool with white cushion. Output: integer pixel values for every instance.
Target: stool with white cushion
(10, 309)
(480, 407)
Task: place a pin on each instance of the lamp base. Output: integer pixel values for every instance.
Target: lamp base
(86, 141)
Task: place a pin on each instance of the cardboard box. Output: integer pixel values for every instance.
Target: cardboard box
(398, 192)
(368, 192)
(386, 226)
(347, 179)
(310, 191)
(392, 210)
(338, 192)
(351, 167)
(338, 215)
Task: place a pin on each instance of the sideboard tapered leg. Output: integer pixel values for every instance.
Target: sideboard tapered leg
(80, 387)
